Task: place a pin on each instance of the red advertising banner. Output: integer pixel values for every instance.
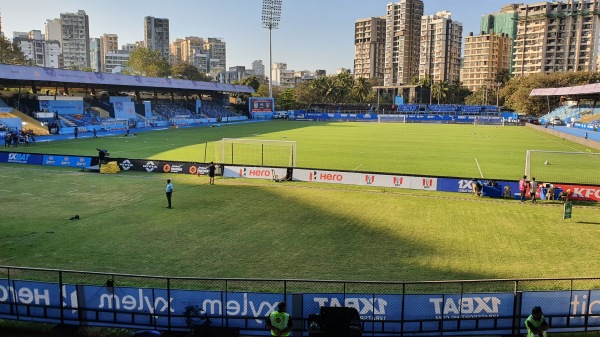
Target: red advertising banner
(581, 192)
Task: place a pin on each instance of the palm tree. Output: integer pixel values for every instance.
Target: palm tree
(439, 90)
(344, 83)
(362, 89)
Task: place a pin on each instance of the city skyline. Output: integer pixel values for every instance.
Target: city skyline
(312, 35)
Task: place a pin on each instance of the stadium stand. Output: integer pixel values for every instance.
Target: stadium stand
(214, 110)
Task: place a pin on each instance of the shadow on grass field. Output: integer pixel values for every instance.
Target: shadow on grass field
(324, 231)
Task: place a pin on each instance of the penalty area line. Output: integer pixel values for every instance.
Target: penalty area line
(479, 167)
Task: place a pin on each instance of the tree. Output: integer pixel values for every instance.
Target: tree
(482, 97)
(439, 90)
(503, 76)
(146, 62)
(343, 84)
(306, 94)
(362, 89)
(263, 91)
(518, 89)
(457, 93)
(12, 54)
(251, 81)
(186, 71)
(286, 100)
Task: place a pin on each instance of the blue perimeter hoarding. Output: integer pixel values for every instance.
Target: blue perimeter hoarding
(21, 158)
(66, 161)
(383, 313)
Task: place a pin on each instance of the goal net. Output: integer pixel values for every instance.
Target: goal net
(241, 151)
(563, 167)
(391, 118)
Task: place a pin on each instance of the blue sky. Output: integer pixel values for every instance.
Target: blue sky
(313, 34)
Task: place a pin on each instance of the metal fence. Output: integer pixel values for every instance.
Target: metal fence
(426, 308)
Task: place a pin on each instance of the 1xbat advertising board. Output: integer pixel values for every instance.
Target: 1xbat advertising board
(21, 158)
(466, 185)
(371, 307)
(476, 311)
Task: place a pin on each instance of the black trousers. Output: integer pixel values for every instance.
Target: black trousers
(169, 198)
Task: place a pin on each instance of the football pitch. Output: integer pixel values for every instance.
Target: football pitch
(490, 152)
(237, 227)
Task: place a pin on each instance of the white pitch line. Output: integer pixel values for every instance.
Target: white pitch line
(356, 168)
(479, 167)
(24, 193)
(7, 191)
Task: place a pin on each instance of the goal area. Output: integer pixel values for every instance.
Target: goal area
(391, 118)
(241, 151)
(563, 167)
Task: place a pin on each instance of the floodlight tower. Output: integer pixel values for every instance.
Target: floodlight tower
(271, 15)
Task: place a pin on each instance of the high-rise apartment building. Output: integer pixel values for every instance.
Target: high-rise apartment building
(75, 39)
(156, 35)
(402, 41)
(216, 49)
(485, 57)
(95, 62)
(369, 48)
(501, 23)
(441, 45)
(109, 43)
(190, 47)
(258, 67)
(281, 76)
(43, 53)
(558, 36)
(52, 30)
(175, 52)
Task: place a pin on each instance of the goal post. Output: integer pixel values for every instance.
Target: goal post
(395, 118)
(563, 167)
(242, 151)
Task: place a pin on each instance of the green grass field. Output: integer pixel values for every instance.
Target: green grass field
(324, 231)
(423, 149)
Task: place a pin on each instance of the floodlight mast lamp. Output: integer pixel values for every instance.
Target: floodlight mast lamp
(271, 15)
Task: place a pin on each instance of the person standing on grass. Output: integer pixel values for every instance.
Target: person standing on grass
(536, 324)
(533, 190)
(169, 192)
(95, 133)
(76, 131)
(211, 173)
(279, 322)
(523, 187)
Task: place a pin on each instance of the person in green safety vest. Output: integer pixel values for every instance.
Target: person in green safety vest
(279, 322)
(536, 324)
